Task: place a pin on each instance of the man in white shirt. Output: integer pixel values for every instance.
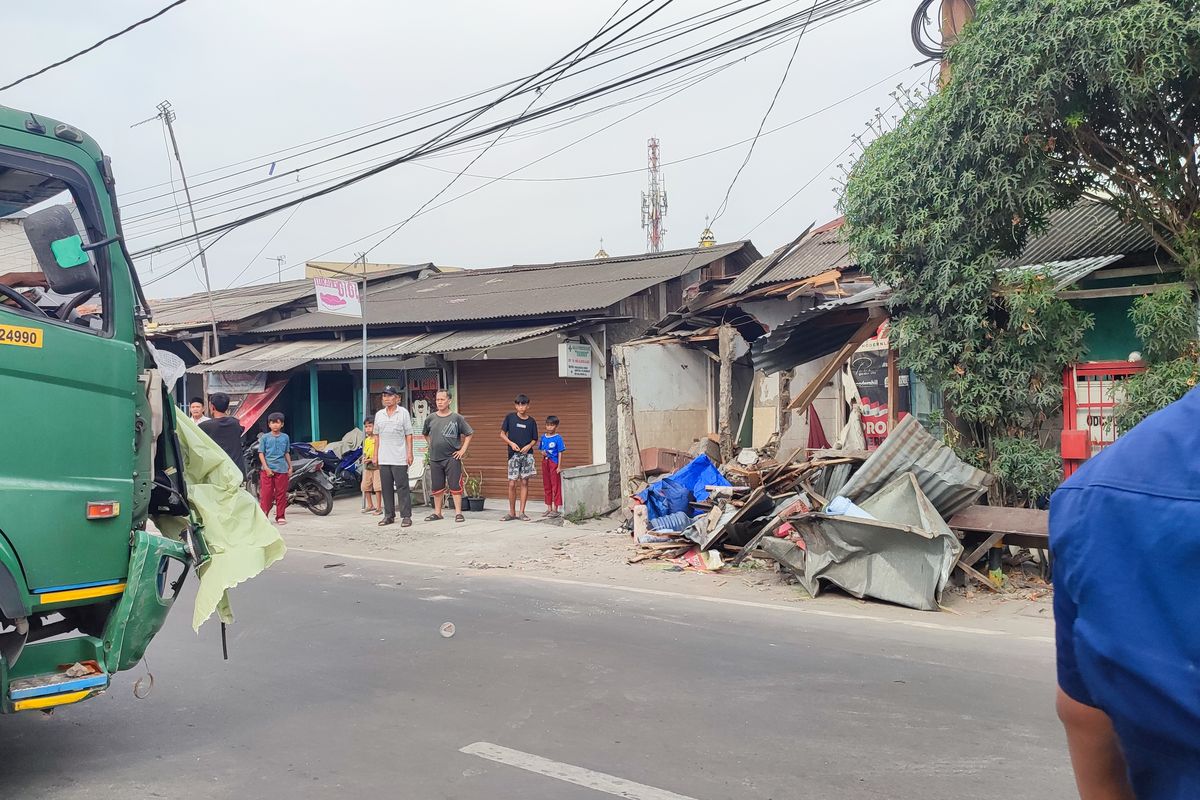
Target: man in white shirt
(394, 452)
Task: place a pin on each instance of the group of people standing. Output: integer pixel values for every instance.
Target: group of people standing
(388, 454)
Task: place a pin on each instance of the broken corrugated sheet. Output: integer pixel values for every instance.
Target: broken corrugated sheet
(904, 555)
(950, 483)
(805, 338)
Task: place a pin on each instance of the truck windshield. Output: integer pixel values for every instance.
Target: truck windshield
(23, 192)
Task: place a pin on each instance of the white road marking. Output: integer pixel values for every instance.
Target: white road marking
(590, 779)
(729, 601)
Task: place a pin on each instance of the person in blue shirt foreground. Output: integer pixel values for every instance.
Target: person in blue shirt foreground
(1125, 536)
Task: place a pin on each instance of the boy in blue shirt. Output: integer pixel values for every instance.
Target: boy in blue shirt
(552, 447)
(275, 458)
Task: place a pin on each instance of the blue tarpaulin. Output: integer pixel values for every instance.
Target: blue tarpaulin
(686, 485)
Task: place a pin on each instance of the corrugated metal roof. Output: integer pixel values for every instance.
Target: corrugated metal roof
(1085, 230)
(286, 356)
(244, 302)
(526, 290)
(1068, 273)
(950, 483)
(798, 341)
(821, 251)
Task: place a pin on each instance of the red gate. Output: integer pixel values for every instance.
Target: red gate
(1090, 393)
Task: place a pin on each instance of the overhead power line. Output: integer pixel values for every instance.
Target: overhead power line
(773, 30)
(100, 43)
(225, 194)
(762, 123)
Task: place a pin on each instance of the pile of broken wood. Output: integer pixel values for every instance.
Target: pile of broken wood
(764, 494)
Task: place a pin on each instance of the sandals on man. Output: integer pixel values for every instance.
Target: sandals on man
(508, 518)
(524, 518)
(434, 518)
(459, 518)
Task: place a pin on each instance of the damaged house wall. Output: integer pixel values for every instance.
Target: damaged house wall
(671, 387)
(830, 405)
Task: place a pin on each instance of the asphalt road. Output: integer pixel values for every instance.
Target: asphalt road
(340, 684)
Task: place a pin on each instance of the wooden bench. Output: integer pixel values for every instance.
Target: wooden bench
(1023, 527)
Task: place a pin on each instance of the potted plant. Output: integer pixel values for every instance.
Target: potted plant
(474, 490)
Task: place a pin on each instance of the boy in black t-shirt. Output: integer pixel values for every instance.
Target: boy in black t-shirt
(519, 432)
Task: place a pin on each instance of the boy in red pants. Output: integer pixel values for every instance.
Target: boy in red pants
(552, 447)
(275, 458)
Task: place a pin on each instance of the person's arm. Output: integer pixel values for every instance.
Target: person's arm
(408, 444)
(262, 459)
(466, 431)
(1100, 769)
(287, 453)
(461, 452)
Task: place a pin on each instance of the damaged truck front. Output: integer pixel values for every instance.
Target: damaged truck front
(91, 452)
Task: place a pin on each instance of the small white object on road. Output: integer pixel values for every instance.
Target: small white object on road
(599, 781)
(447, 630)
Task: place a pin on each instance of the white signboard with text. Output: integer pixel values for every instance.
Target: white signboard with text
(574, 360)
(337, 297)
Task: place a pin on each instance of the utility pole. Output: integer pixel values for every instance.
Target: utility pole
(167, 115)
(362, 300)
(955, 15)
(279, 262)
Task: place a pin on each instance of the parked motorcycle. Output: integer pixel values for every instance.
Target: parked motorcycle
(308, 485)
(343, 471)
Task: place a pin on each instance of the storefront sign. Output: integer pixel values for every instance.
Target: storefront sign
(337, 297)
(237, 382)
(574, 360)
(869, 368)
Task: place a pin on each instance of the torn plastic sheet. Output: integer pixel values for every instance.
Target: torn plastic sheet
(240, 540)
(904, 556)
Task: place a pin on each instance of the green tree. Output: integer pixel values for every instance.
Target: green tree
(1050, 101)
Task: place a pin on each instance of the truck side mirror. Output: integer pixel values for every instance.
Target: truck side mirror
(60, 251)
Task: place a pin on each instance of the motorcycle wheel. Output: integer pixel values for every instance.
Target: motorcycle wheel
(316, 498)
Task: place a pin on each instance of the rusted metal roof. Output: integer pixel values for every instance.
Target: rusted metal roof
(809, 335)
(821, 251)
(286, 356)
(566, 287)
(246, 302)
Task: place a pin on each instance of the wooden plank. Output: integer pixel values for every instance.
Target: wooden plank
(977, 553)
(809, 393)
(725, 393)
(628, 453)
(1123, 291)
(1002, 519)
(893, 390)
(970, 572)
(1131, 272)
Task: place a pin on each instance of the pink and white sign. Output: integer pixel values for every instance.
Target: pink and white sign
(338, 297)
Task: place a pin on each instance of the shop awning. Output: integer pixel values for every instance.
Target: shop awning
(287, 356)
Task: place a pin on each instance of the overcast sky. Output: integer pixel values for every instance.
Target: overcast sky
(248, 79)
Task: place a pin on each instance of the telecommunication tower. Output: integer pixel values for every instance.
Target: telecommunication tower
(654, 201)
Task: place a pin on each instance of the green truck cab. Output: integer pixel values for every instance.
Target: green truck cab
(91, 453)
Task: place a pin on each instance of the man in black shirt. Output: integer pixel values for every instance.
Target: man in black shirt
(225, 430)
(519, 432)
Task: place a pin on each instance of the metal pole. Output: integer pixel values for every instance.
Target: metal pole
(363, 306)
(168, 116)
